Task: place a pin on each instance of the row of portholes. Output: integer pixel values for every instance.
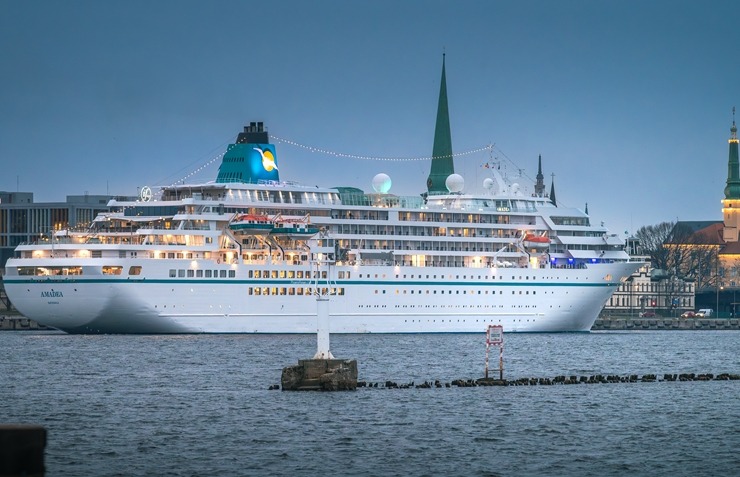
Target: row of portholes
(457, 277)
(463, 306)
(464, 321)
(457, 292)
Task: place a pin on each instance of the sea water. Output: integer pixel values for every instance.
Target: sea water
(199, 405)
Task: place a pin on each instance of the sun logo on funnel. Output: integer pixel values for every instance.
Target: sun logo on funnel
(268, 160)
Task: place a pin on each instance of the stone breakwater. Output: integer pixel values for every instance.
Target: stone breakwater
(19, 323)
(659, 323)
(557, 380)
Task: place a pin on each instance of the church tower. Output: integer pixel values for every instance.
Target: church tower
(539, 187)
(442, 163)
(731, 202)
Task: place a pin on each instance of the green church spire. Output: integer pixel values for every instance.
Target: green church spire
(442, 162)
(732, 190)
(552, 192)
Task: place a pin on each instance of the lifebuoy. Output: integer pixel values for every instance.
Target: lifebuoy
(218, 261)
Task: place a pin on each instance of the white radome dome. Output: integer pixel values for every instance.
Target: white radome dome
(488, 183)
(455, 183)
(382, 183)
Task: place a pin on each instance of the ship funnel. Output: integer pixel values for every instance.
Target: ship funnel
(251, 158)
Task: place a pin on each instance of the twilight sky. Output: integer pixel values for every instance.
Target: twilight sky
(629, 102)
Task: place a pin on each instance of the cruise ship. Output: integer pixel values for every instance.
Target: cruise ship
(251, 253)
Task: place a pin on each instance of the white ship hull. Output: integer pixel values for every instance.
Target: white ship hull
(375, 299)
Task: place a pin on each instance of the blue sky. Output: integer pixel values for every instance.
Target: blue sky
(629, 102)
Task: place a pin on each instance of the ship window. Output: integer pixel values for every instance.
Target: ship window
(299, 274)
(291, 274)
(299, 291)
(222, 273)
(291, 291)
(109, 270)
(171, 255)
(323, 274)
(341, 292)
(181, 273)
(173, 273)
(257, 291)
(208, 274)
(199, 273)
(274, 274)
(250, 290)
(283, 291)
(232, 273)
(191, 273)
(134, 270)
(26, 270)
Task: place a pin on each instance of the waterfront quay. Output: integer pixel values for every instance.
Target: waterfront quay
(13, 321)
(620, 322)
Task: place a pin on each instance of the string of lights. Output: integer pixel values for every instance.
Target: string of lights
(376, 158)
(192, 173)
(489, 147)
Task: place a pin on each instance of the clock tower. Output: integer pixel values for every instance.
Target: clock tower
(731, 202)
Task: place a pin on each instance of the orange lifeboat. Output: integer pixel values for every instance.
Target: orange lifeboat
(536, 241)
(252, 223)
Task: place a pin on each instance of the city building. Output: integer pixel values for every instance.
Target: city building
(702, 261)
(651, 290)
(23, 220)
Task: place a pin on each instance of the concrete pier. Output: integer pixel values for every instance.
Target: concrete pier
(320, 375)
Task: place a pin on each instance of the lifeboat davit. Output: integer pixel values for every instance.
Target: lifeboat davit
(256, 224)
(536, 241)
(294, 227)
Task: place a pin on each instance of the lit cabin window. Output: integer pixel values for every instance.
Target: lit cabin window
(134, 270)
(112, 270)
